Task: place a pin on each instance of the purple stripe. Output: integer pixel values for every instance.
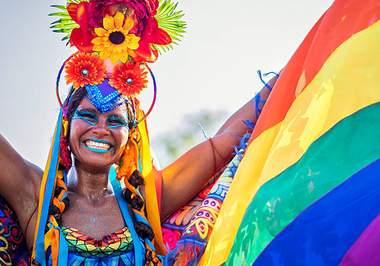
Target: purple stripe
(365, 251)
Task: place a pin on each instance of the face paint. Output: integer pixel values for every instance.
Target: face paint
(96, 145)
(87, 115)
(113, 121)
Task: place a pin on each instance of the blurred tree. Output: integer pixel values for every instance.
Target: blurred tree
(170, 145)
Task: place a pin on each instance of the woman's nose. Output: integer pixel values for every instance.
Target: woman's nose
(101, 127)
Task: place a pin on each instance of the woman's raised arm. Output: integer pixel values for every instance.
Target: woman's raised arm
(186, 176)
(19, 182)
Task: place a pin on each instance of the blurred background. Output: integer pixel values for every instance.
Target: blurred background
(211, 74)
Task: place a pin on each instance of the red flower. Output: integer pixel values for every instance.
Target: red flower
(81, 37)
(65, 154)
(85, 69)
(152, 34)
(129, 79)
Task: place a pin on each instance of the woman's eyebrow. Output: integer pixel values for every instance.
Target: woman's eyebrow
(89, 110)
(121, 117)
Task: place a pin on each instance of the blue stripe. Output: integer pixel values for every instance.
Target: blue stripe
(324, 232)
(63, 249)
(138, 249)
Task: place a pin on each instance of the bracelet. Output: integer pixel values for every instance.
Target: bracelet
(213, 152)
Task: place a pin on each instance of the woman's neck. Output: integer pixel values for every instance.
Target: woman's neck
(90, 184)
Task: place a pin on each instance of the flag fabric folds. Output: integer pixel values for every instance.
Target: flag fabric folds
(306, 192)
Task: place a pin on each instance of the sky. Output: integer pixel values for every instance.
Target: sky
(213, 68)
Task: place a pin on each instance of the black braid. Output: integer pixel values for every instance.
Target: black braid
(127, 195)
(144, 231)
(53, 210)
(58, 218)
(137, 203)
(57, 191)
(66, 201)
(136, 179)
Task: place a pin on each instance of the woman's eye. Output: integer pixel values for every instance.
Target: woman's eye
(86, 116)
(115, 121)
(89, 116)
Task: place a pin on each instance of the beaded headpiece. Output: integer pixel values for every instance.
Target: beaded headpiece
(116, 39)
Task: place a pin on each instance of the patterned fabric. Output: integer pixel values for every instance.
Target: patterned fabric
(191, 245)
(13, 250)
(174, 226)
(114, 249)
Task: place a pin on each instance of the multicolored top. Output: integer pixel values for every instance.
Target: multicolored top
(115, 249)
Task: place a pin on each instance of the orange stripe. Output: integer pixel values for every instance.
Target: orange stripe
(320, 43)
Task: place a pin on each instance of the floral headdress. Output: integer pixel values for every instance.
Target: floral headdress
(115, 41)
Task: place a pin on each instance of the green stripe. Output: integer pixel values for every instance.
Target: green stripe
(341, 152)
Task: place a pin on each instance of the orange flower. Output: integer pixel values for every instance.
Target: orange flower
(128, 162)
(129, 79)
(85, 69)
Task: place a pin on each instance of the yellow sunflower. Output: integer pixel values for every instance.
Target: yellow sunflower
(114, 40)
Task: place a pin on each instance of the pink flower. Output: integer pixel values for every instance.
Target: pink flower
(170, 237)
(138, 10)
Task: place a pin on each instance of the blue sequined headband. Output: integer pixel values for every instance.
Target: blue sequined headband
(104, 97)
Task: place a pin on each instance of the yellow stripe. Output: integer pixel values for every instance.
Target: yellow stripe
(150, 188)
(348, 82)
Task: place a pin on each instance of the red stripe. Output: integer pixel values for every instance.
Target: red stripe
(338, 24)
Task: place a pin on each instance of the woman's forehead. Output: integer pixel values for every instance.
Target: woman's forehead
(120, 107)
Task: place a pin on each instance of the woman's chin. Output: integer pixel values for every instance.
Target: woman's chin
(95, 161)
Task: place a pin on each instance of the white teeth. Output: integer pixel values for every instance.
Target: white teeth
(97, 145)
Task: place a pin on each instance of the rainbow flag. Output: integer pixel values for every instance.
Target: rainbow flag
(307, 191)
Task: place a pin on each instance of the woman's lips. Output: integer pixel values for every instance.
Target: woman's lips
(97, 146)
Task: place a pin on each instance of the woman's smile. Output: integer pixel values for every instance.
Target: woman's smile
(98, 145)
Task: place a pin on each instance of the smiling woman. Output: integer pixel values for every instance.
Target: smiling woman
(101, 198)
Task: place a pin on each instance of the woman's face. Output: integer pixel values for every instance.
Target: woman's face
(97, 140)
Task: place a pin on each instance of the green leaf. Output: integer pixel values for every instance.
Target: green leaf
(65, 24)
(59, 7)
(169, 20)
(62, 20)
(60, 14)
(63, 30)
(67, 37)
